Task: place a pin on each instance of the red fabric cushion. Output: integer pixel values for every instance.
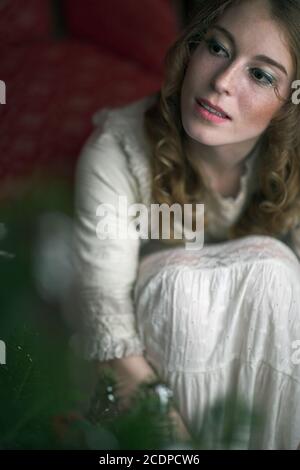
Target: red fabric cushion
(53, 89)
(24, 21)
(138, 30)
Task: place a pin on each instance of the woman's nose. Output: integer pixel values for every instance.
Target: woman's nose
(224, 80)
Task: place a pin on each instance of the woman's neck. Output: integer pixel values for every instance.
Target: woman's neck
(220, 161)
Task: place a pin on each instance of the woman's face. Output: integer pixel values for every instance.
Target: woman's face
(229, 76)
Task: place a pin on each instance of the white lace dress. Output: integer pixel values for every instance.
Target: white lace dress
(225, 319)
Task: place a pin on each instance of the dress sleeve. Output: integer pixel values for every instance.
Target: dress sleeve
(105, 269)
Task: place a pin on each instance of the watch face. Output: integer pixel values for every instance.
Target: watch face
(165, 394)
(163, 391)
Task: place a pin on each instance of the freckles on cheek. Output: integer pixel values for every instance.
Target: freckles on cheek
(261, 112)
(268, 112)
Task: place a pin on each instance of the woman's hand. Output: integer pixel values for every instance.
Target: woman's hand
(181, 431)
(130, 372)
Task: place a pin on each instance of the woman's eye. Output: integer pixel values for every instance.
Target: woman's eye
(215, 47)
(269, 80)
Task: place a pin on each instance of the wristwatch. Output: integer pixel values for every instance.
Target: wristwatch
(163, 393)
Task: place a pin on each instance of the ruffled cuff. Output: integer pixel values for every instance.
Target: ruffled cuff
(102, 333)
(105, 348)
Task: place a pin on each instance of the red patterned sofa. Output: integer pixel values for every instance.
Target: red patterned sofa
(107, 54)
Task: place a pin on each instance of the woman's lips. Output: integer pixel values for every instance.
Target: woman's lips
(211, 105)
(208, 116)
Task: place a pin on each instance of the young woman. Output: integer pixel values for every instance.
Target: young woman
(222, 131)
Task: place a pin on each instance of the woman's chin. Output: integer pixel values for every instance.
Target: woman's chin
(206, 137)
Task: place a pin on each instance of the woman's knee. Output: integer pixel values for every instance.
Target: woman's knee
(260, 247)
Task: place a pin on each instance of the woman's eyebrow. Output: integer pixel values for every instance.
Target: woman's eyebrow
(262, 58)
